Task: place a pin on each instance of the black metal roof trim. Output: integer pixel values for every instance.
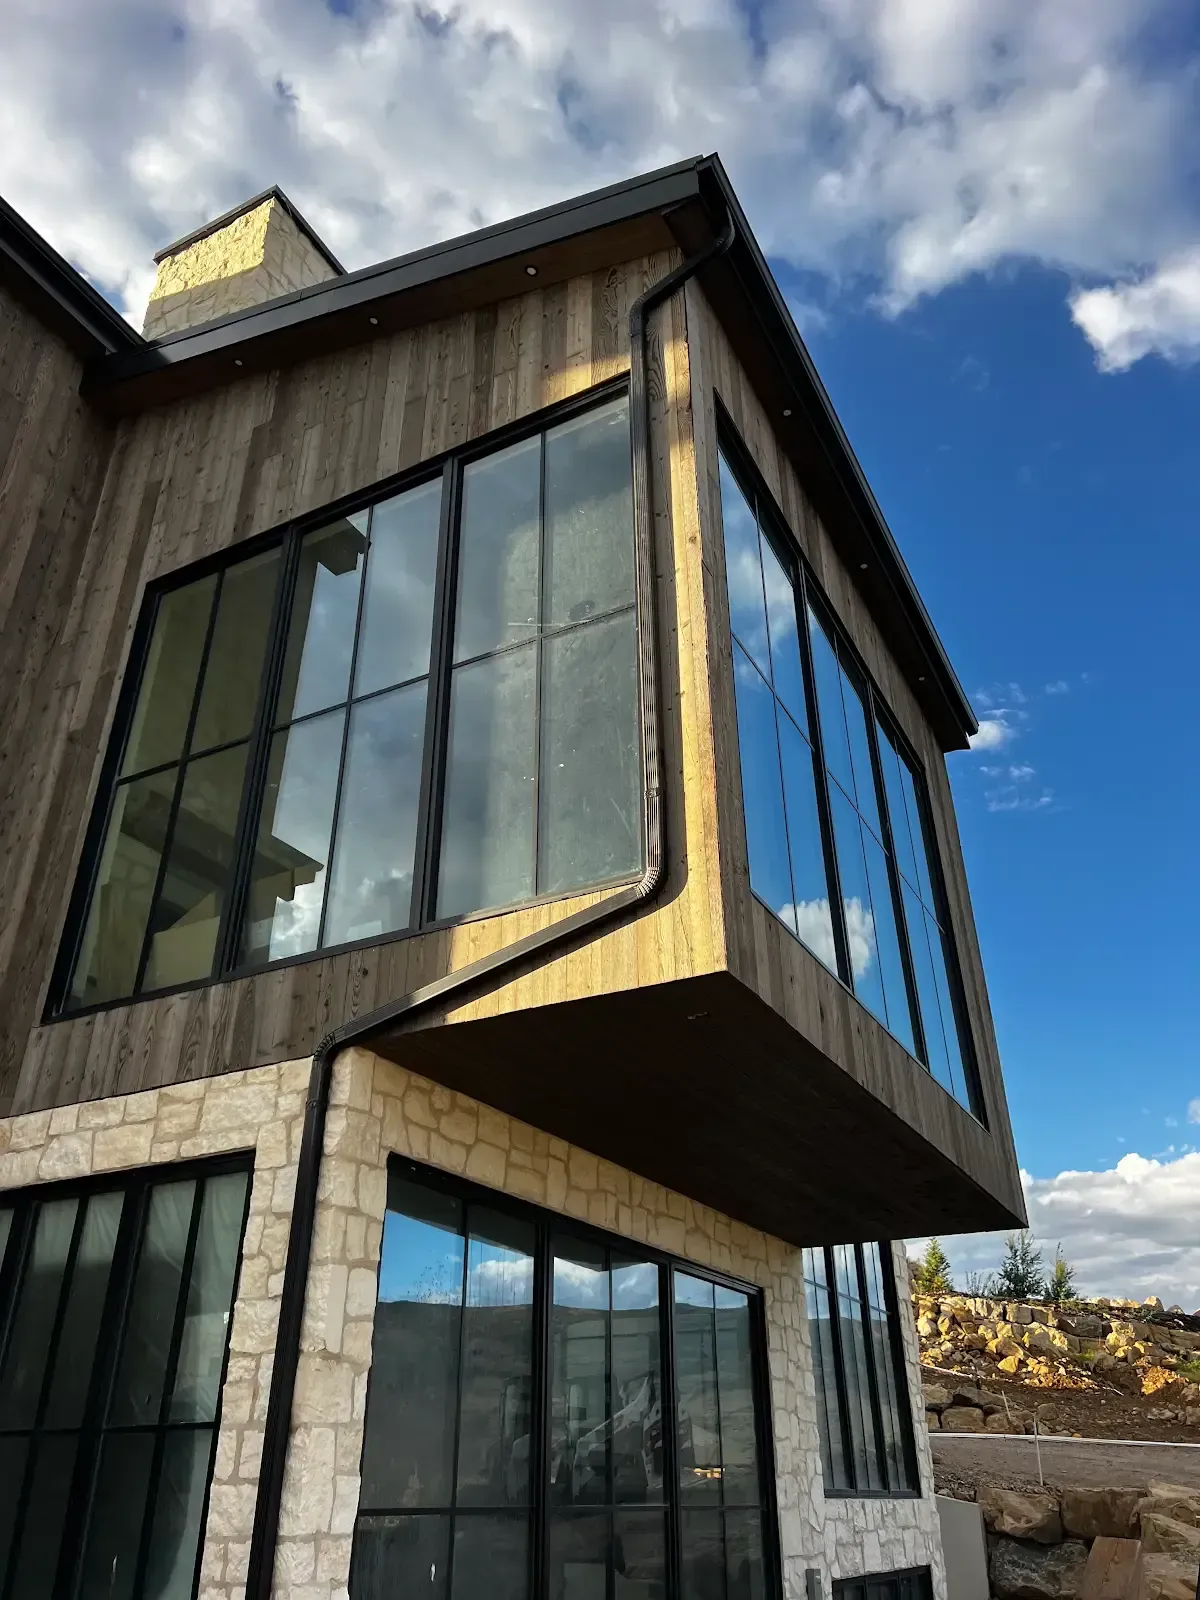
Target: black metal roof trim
(226, 217)
(83, 314)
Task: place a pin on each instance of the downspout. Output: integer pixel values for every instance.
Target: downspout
(277, 1428)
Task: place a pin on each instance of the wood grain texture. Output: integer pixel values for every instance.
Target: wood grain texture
(761, 952)
(204, 474)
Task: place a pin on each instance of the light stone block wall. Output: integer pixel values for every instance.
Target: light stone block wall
(256, 257)
(377, 1108)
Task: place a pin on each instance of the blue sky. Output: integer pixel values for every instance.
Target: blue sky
(987, 216)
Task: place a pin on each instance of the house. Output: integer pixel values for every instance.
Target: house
(485, 960)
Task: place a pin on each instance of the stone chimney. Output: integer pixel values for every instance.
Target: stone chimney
(254, 253)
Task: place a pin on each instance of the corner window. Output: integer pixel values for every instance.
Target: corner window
(114, 1327)
(837, 831)
(420, 710)
(863, 1412)
(522, 1372)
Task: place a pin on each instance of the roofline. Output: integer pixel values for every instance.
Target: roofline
(226, 217)
(79, 312)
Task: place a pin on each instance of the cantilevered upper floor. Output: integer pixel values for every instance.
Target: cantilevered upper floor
(498, 651)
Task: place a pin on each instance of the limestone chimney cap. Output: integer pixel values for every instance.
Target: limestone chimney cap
(223, 221)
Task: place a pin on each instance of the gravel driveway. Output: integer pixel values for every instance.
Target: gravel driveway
(1083, 1462)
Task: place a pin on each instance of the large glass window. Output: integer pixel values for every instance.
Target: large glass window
(915, 1583)
(837, 831)
(863, 1413)
(399, 715)
(515, 1445)
(114, 1324)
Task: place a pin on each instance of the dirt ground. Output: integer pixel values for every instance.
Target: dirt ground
(964, 1462)
(1103, 1413)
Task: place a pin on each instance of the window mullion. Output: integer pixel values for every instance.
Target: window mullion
(833, 1302)
(452, 1510)
(437, 703)
(539, 664)
(864, 1301)
(669, 1410)
(229, 934)
(837, 913)
(540, 1416)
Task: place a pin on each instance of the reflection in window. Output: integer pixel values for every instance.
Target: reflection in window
(517, 1382)
(862, 1394)
(829, 797)
(914, 1584)
(109, 1382)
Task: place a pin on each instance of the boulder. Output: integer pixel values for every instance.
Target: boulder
(1036, 1572)
(1152, 1303)
(1161, 1381)
(1010, 1363)
(1022, 1514)
(1101, 1513)
(926, 1326)
(962, 1419)
(1083, 1325)
(937, 1397)
(1165, 1577)
(1004, 1345)
(970, 1394)
(1168, 1536)
(1018, 1313)
(999, 1422)
(1175, 1500)
(932, 1421)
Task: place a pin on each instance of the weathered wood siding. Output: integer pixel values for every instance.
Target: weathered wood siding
(760, 950)
(202, 475)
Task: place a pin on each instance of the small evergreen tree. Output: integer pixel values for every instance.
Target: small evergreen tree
(1022, 1271)
(932, 1275)
(1060, 1285)
(980, 1285)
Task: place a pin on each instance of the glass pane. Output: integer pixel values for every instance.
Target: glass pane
(814, 918)
(37, 1307)
(497, 1386)
(316, 665)
(498, 551)
(787, 674)
(579, 1376)
(580, 1555)
(371, 888)
(491, 1558)
(735, 1381)
(397, 617)
(488, 822)
(696, 1386)
(639, 1555)
(856, 905)
(590, 816)
(703, 1539)
(115, 1531)
(828, 678)
(116, 924)
(937, 1058)
(235, 657)
(903, 835)
(179, 1502)
(825, 1367)
(860, 756)
(210, 1296)
(195, 885)
(743, 571)
(762, 790)
(400, 1556)
(169, 680)
(855, 1356)
(85, 1303)
(39, 1540)
(636, 1385)
(890, 1384)
(137, 1392)
(744, 1556)
(408, 1451)
(937, 950)
(887, 943)
(6, 1217)
(287, 879)
(12, 1473)
(589, 516)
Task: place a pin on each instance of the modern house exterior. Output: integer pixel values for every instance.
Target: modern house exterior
(486, 966)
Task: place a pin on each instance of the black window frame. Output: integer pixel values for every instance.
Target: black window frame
(810, 596)
(550, 1226)
(907, 1443)
(447, 466)
(137, 1185)
(905, 1583)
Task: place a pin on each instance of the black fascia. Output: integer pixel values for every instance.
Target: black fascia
(622, 202)
(59, 293)
(226, 217)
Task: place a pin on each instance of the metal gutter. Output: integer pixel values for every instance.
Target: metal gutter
(277, 1427)
(226, 217)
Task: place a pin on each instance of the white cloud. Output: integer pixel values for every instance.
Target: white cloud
(1157, 313)
(812, 921)
(1193, 1110)
(1010, 798)
(993, 734)
(874, 141)
(1128, 1231)
(1022, 773)
(1059, 686)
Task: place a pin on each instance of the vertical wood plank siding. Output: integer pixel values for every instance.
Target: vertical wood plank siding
(81, 543)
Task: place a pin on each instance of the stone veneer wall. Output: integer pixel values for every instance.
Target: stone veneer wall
(376, 1108)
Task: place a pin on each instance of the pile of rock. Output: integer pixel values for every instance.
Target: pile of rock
(1156, 1353)
(1038, 1539)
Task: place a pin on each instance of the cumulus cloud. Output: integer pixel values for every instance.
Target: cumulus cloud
(873, 141)
(1159, 312)
(1128, 1231)
(993, 733)
(1059, 686)
(1193, 1111)
(1009, 798)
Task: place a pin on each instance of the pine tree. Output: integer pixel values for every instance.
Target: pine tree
(932, 1275)
(1022, 1271)
(1060, 1285)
